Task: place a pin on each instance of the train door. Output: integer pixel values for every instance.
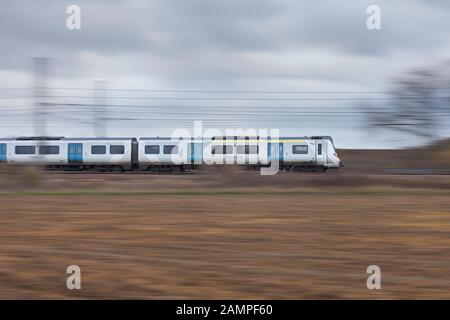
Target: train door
(230, 152)
(276, 151)
(320, 152)
(281, 151)
(197, 152)
(2, 151)
(235, 155)
(75, 153)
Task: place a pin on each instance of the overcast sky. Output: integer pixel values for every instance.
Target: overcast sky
(226, 45)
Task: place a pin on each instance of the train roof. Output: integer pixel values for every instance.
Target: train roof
(284, 138)
(48, 138)
(99, 138)
(171, 138)
(40, 138)
(60, 138)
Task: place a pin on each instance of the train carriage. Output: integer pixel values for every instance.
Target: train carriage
(34, 151)
(100, 151)
(65, 153)
(307, 154)
(164, 153)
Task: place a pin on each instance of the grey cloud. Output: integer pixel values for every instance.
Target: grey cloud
(227, 44)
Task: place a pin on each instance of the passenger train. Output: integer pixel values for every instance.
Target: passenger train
(161, 154)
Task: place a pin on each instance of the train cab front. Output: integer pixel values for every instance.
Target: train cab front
(337, 160)
(333, 159)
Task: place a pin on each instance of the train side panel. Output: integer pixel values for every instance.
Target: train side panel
(36, 152)
(69, 152)
(241, 152)
(164, 151)
(299, 152)
(104, 152)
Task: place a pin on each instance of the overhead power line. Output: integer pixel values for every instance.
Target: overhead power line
(240, 99)
(222, 91)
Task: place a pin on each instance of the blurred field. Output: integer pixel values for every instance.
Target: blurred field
(226, 234)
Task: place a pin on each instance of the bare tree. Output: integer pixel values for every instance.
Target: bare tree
(418, 104)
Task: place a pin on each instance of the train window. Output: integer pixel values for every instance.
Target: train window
(241, 149)
(300, 149)
(25, 149)
(49, 150)
(250, 149)
(227, 149)
(116, 149)
(319, 149)
(98, 149)
(151, 149)
(172, 149)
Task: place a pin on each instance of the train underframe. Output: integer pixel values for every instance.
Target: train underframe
(288, 167)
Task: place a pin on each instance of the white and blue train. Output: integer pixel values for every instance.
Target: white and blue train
(162, 154)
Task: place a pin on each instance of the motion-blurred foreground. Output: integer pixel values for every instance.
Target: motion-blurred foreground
(231, 233)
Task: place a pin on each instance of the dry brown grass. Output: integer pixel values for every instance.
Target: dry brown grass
(223, 236)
